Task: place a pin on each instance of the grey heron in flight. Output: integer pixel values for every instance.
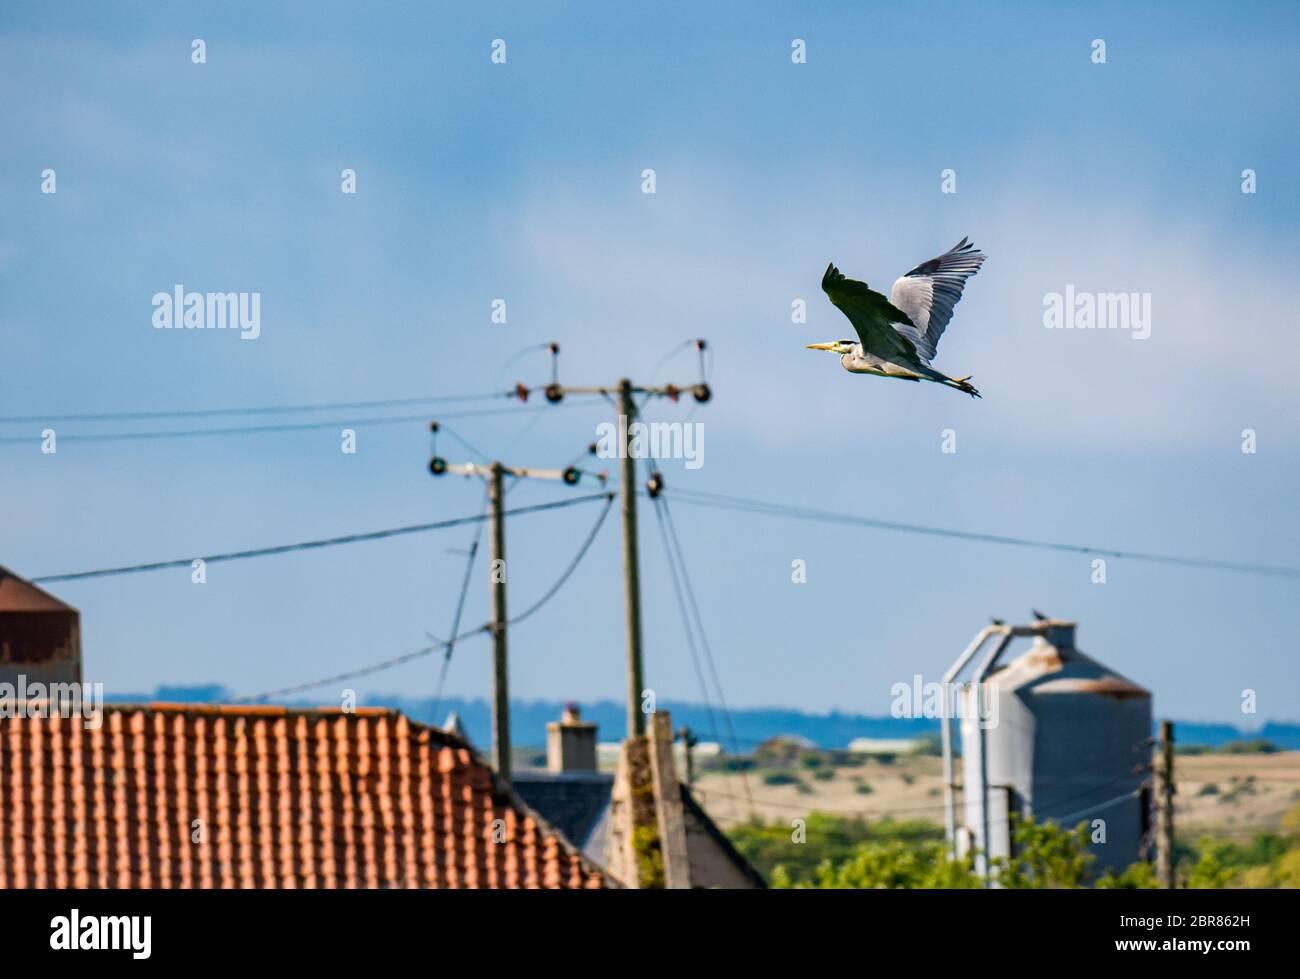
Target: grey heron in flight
(898, 336)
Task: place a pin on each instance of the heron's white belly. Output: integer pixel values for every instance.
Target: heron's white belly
(865, 363)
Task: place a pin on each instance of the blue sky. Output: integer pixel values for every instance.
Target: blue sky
(522, 181)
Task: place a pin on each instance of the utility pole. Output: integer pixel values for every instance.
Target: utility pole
(627, 411)
(500, 673)
(494, 473)
(631, 564)
(689, 741)
(1165, 808)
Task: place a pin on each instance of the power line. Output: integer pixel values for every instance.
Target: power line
(573, 565)
(694, 650)
(687, 628)
(899, 810)
(353, 674)
(262, 410)
(309, 545)
(460, 608)
(1040, 784)
(265, 429)
(699, 621)
(469, 445)
(743, 504)
(1063, 820)
(473, 551)
(448, 644)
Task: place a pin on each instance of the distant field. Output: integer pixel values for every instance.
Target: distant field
(1222, 795)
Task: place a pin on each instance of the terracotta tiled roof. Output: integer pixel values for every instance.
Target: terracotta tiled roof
(282, 798)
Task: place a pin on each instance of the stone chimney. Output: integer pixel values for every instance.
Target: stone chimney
(646, 845)
(571, 743)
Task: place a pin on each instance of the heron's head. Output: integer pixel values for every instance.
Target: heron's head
(835, 346)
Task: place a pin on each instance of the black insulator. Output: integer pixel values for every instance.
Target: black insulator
(433, 426)
(571, 476)
(554, 393)
(437, 465)
(655, 484)
(700, 344)
(593, 448)
(554, 348)
(702, 393)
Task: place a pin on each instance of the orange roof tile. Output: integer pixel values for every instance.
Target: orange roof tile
(171, 795)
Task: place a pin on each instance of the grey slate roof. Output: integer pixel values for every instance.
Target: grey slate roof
(575, 803)
(578, 805)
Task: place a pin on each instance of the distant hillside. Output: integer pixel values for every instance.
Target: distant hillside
(751, 725)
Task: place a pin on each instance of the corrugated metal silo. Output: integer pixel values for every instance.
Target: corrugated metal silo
(1053, 734)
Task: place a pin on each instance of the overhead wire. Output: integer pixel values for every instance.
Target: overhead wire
(572, 567)
(515, 481)
(692, 647)
(460, 608)
(258, 410)
(519, 355)
(349, 675)
(276, 428)
(682, 584)
(699, 625)
(463, 441)
(890, 813)
(313, 544)
(687, 627)
(743, 504)
(430, 649)
(671, 354)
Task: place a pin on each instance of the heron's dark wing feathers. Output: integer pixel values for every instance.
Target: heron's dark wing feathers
(871, 314)
(929, 292)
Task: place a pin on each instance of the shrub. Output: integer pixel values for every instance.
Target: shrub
(1249, 746)
(780, 778)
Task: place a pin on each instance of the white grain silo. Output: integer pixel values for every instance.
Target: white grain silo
(1051, 733)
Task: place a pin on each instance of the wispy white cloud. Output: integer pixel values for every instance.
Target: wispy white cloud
(700, 260)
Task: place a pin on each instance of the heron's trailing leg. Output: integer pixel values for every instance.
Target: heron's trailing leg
(963, 384)
(958, 383)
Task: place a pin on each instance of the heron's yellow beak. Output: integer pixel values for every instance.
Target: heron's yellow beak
(821, 346)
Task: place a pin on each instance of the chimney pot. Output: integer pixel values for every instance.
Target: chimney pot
(571, 742)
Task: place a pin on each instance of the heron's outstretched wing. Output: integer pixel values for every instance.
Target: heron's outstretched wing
(928, 293)
(871, 314)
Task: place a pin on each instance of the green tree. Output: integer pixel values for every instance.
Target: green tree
(1137, 876)
(888, 865)
(1046, 856)
(1211, 869)
(823, 836)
